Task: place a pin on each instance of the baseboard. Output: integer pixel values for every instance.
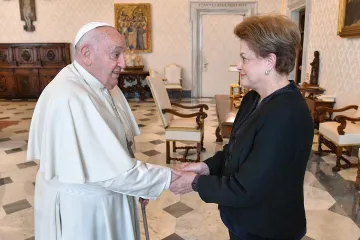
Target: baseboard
(176, 94)
(172, 94)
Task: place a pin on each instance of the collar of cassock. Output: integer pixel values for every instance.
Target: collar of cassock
(89, 79)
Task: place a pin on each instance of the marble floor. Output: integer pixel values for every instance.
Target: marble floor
(330, 198)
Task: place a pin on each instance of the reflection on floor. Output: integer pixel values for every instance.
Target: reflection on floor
(330, 198)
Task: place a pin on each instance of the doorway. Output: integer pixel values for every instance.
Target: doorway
(197, 10)
(298, 66)
(220, 49)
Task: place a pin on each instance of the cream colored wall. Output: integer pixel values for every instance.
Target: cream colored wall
(171, 33)
(57, 21)
(339, 57)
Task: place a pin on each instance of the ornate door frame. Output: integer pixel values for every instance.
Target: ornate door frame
(197, 9)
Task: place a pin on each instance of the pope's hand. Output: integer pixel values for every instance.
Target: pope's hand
(144, 202)
(174, 176)
(184, 183)
(199, 168)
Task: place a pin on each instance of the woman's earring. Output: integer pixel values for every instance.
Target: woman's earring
(267, 72)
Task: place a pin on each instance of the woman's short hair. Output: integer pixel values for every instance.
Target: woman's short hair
(273, 33)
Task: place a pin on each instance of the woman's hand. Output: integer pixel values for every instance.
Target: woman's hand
(199, 168)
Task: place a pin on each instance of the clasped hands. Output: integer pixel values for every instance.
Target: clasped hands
(183, 175)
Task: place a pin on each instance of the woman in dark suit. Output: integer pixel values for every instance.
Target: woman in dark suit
(257, 179)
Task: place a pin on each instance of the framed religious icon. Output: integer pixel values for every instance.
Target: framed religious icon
(349, 18)
(134, 22)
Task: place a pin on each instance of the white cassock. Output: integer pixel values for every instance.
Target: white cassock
(87, 185)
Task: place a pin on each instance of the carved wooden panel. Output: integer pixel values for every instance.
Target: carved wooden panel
(51, 56)
(6, 84)
(46, 76)
(26, 56)
(27, 82)
(6, 57)
(26, 68)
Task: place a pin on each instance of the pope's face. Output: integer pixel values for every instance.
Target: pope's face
(109, 57)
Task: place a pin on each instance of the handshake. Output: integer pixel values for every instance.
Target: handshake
(183, 175)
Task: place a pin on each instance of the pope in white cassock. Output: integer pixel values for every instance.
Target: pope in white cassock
(82, 131)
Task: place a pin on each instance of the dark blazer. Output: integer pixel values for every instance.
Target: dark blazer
(259, 184)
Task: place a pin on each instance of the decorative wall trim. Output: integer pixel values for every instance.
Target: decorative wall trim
(293, 12)
(197, 9)
(296, 4)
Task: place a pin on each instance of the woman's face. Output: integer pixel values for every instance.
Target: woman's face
(252, 68)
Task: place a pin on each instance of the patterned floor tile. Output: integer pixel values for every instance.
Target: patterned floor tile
(4, 139)
(151, 153)
(5, 180)
(336, 208)
(331, 198)
(178, 209)
(14, 150)
(156, 142)
(16, 206)
(307, 238)
(26, 164)
(21, 131)
(173, 236)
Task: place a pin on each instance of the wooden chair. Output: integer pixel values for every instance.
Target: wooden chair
(184, 127)
(172, 78)
(339, 135)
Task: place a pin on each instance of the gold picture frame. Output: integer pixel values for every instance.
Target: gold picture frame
(349, 18)
(133, 20)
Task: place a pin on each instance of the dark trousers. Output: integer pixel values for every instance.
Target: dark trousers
(234, 237)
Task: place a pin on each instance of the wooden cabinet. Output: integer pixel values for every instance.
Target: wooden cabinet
(46, 75)
(132, 82)
(26, 68)
(27, 82)
(7, 84)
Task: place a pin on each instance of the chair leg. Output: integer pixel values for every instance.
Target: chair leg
(174, 146)
(319, 145)
(167, 152)
(198, 150)
(338, 158)
(358, 176)
(348, 150)
(202, 144)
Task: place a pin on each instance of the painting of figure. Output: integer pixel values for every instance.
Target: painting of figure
(349, 18)
(28, 14)
(134, 23)
(352, 13)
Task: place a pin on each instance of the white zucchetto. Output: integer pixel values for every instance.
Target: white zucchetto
(86, 28)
